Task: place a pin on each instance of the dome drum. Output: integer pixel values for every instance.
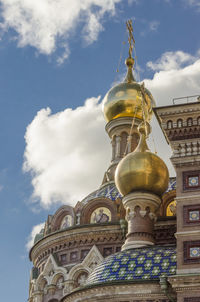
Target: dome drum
(140, 214)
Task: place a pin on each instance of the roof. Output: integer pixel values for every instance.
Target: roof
(110, 191)
(149, 263)
(107, 191)
(172, 184)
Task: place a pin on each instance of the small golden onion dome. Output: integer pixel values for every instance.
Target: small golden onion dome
(127, 98)
(142, 170)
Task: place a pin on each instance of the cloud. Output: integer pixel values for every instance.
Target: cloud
(153, 25)
(171, 60)
(48, 25)
(149, 26)
(1, 187)
(168, 83)
(67, 153)
(195, 3)
(35, 230)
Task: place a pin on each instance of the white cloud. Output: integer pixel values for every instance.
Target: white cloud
(149, 26)
(48, 24)
(171, 60)
(67, 153)
(153, 25)
(1, 188)
(195, 3)
(35, 230)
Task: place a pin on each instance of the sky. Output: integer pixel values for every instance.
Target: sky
(57, 61)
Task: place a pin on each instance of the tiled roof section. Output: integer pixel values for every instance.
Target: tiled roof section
(172, 184)
(39, 236)
(135, 264)
(106, 191)
(110, 191)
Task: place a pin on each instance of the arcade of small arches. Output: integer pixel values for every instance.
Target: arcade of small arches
(179, 123)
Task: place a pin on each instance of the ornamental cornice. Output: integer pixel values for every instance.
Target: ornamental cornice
(116, 292)
(187, 282)
(170, 110)
(78, 235)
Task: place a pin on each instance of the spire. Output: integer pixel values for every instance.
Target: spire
(130, 61)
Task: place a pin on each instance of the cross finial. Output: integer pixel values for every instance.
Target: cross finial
(131, 39)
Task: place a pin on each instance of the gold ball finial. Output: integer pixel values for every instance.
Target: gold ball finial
(130, 62)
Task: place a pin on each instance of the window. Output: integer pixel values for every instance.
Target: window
(73, 256)
(179, 123)
(169, 125)
(63, 258)
(107, 251)
(189, 122)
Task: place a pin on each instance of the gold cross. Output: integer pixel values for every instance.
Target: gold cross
(131, 39)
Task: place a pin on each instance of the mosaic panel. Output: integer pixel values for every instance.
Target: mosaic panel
(191, 251)
(141, 263)
(193, 181)
(191, 214)
(194, 215)
(194, 252)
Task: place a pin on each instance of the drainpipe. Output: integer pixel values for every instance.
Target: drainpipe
(165, 288)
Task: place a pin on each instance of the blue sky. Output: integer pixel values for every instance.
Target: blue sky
(57, 55)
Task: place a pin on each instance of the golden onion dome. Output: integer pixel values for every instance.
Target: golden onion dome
(142, 170)
(127, 98)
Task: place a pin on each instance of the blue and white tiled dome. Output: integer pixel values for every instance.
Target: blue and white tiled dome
(149, 263)
(107, 191)
(172, 184)
(110, 191)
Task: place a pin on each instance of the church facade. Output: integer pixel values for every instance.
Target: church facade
(137, 237)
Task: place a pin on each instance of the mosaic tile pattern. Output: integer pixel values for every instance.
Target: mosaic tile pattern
(194, 215)
(172, 184)
(110, 191)
(193, 181)
(194, 252)
(107, 191)
(136, 264)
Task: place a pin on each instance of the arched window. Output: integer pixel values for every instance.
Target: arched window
(124, 136)
(189, 122)
(169, 125)
(179, 123)
(198, 121)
